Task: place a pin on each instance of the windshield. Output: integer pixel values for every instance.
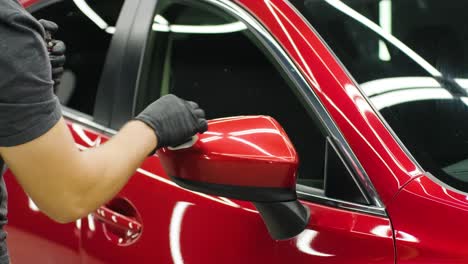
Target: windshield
(409, 58)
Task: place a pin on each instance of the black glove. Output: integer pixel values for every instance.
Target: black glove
(57, 60)
(56, 50)
(174, 120)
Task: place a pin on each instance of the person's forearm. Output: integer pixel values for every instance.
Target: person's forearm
(67, 184)
(108, 167)
(114, 162)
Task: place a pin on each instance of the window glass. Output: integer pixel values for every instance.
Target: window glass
(87, 33)
(409, 58)
(212, 59)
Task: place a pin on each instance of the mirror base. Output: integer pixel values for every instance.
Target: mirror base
(284, 220)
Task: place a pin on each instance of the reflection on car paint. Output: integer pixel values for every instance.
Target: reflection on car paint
(304, 243)
(276, 12)
(175, 230)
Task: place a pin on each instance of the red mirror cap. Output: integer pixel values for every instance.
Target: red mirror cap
(250, 151)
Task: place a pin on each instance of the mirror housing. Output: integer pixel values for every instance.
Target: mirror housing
(246, 158)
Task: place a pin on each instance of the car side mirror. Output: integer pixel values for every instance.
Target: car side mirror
(246, 158)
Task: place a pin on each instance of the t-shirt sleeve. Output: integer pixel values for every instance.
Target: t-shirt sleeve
(28, 106)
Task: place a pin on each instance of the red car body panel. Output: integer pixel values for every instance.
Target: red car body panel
(180, 226)
(430, 223)
(28, 3)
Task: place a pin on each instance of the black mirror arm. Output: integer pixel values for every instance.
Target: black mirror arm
(284, 220)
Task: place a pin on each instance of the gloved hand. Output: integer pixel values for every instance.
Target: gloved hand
(174, 120)
(56, 50)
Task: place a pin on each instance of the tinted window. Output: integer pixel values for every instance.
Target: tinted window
(212, 59)
(412, 72)
(87, 44)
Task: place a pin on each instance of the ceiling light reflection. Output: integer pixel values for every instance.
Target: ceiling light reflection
(465, 100)
(91, 224)
(400, 235)
(212, 133)
(228, 201)
(409, 95)
(249, 210)
(385, 21)
(462, 82)
(82, 134)
(275, 11)
(160, 20)
(32, 205)
(255, 146)
(304, 244)
(382, 231)
(93, 16)
(255, 131)
(110, 30)
(390, 84)
(162, 25)
(345, 9)
(175, 227)
(198, 29)
(78, 224)
(208, 139)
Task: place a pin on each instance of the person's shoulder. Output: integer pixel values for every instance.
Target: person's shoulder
(14, 16)
(10, 9)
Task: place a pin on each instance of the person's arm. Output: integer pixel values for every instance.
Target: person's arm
(35, 143)
(67, 184)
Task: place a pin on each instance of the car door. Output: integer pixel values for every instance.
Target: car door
(32, 236)
(220, 55)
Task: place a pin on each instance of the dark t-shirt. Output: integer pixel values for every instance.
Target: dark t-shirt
(28, 106)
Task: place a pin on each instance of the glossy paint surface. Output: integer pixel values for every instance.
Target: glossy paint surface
(386, 164)
(32, 236)
(430, 223)
(241, 151)
(180, 226)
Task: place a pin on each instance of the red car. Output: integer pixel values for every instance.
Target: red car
(304, 161)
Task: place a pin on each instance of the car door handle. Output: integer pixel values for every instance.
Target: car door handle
(117, 227)
(118, 220)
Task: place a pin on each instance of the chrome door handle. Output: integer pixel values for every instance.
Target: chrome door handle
(117, 227)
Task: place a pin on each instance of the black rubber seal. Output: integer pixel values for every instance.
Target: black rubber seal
(253, 194)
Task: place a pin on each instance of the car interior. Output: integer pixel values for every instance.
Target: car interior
(87, 45)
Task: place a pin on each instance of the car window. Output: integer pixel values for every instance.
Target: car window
(409, 58)
(209, 57)
(86, 27)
